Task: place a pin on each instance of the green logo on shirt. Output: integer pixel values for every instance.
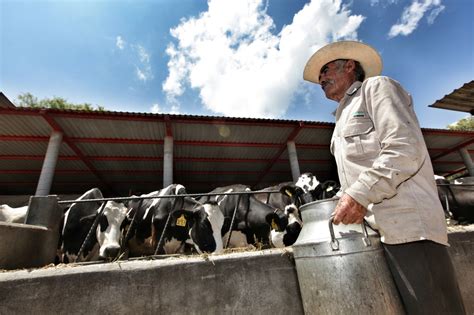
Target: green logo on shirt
(358, 114)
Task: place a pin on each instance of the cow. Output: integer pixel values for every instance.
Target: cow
(252, 220)
(314, 190)
(104, 242)
(13, 215)
(292, 195)
(286, 198)
(457, 199)
(173, 223)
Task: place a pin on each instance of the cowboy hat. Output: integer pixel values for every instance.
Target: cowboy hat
(367, 56)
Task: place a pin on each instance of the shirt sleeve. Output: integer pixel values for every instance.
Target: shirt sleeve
(402, 144)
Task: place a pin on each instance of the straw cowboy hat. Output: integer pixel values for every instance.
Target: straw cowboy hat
(368, 57)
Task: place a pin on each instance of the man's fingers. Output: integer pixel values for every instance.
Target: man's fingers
(336, 217)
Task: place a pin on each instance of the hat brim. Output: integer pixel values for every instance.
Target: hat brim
(367, 56)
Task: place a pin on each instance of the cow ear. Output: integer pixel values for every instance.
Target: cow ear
(274, 221)
(288, 190)
(182, 218)
(292, 191)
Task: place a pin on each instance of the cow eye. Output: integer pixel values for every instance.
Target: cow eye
(104, 223)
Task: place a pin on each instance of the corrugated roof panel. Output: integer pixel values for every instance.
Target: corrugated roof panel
(182, 166)
(79, 177)
(236, 152)
(116, 129)
(236, 178)
(21, 125)
(460, 99)
(231, 133)
(32, 148)
(37, 164)
(310, 154)
(127, 165)
(120, 149)
(314, 136)
(435, 141)
(19, 177)
(74, 165)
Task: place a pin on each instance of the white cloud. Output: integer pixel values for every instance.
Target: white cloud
(384, 3)
(434, 13)
(119, 42)
(155, 108)
(143, 54)
(412, 15)
(138, 56)
(143, 72)
(239, 67)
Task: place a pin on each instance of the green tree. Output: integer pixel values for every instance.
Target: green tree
(464, 124)
(29, 100)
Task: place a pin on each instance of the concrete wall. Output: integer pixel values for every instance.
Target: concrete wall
(252, 282)
(261, 282)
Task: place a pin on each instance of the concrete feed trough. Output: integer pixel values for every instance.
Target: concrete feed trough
(34, 243)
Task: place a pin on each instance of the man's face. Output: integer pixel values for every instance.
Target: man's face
(335, 78)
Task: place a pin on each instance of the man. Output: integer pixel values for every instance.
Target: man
(386, 174)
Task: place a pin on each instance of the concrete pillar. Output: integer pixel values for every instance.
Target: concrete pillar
(295, 167)
(49, 164)
(466, 157)
(168, 161)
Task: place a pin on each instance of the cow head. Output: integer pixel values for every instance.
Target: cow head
(205, 225)
(109, 229)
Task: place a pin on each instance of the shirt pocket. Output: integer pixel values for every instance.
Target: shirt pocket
(360, 142)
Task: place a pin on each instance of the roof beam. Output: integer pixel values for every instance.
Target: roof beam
(455, 148)
(55, 126)
(282, 149)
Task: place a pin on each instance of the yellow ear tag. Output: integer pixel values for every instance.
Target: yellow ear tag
(181, 221)
(274, 225)
(288, 193)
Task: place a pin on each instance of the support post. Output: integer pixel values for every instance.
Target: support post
(49, 164)
(295, 167)
(466, 157)
(168, 161)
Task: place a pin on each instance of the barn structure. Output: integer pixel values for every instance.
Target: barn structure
(45, 151)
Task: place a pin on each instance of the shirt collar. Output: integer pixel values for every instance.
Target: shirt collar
(353, 88)
(350, 91)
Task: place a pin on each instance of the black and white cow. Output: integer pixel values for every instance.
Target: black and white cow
(288, 199)
(175, 222)
(253, 219)
(13, 215)
(457, 198)
(292, 195)
(104, 242)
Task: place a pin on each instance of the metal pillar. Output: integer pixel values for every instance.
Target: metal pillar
(49, 164)
(168, 161)
(466, 157)
(295, 167)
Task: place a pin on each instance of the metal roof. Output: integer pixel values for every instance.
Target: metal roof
(122, 153)
(461, 99)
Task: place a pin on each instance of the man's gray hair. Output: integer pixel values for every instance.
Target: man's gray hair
(358, 71)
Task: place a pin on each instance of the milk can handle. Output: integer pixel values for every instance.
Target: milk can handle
(335, 243)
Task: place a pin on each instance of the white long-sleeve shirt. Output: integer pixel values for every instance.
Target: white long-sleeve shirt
(384, 164)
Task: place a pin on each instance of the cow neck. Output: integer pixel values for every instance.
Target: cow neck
(173, 208)
(132, 227)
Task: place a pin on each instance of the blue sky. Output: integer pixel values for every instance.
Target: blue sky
(242, 58)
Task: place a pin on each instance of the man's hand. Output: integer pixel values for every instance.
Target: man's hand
(348, 211)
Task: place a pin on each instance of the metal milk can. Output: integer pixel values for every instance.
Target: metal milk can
(342, 269)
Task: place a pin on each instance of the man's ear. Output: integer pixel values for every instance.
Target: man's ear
(349, 66)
